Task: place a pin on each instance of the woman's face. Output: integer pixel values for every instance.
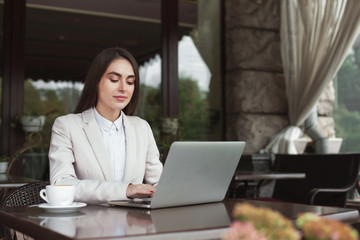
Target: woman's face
(116, 88)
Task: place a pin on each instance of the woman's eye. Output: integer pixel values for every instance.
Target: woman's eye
(114, 80)
(130, 82)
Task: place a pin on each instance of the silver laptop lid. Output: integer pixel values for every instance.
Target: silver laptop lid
(197, 172)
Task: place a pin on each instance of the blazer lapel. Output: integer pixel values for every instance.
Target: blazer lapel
(130, 137)
(94, 137)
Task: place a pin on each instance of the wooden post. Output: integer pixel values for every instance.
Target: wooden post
(13, 74)
(169, 60)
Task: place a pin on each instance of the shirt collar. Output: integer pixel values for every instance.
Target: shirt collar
(106, 124)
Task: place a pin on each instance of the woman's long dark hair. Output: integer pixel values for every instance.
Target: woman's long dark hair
(89, 96)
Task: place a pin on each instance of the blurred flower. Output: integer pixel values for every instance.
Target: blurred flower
(243, 231)
(317, 228)
(267, 222)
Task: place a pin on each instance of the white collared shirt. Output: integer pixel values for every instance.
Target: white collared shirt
(113, 134)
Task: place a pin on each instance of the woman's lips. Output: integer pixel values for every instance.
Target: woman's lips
(120, 98)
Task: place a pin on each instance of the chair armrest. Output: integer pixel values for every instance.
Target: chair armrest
(315, 191)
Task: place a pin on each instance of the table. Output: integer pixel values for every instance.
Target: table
(8, 182)
(246, 176)
(11, 181)
(205, 221)
(249, 175)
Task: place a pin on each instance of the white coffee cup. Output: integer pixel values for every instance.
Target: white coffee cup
(58, 195)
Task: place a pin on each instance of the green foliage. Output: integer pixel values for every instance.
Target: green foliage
(193, 111)
(70, 97)
(347, 127)
(150, 109)
(347, 113)
(193, 115)
(48, 102)
(349, 84)
(33, 104)
(54, 108)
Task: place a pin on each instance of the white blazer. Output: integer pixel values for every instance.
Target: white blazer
(78, 156)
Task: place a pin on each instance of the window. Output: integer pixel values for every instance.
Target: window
(347, 105)
(200, 95)
(62, 38)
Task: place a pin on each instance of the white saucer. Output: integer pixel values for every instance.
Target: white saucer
(61, 209)
(67, 215)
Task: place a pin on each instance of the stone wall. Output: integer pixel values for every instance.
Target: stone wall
(256, 105)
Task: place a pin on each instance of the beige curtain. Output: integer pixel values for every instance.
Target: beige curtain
(315, 38)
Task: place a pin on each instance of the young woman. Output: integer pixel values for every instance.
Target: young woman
(101, 148)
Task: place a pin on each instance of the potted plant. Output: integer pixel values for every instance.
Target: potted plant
(33, 123)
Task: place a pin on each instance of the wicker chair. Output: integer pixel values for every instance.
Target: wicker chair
(25, 195)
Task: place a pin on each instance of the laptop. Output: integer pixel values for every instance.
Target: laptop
(194, 173)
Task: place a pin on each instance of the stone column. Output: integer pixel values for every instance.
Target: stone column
(256, 103)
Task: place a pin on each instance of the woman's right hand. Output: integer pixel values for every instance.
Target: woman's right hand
(140, 190)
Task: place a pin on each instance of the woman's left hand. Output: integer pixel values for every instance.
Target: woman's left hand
(140, 191)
